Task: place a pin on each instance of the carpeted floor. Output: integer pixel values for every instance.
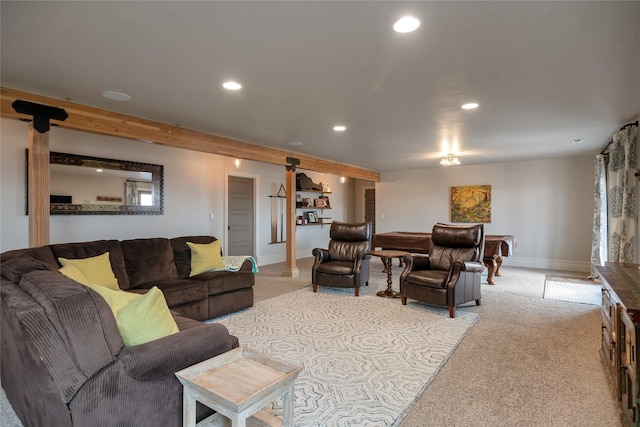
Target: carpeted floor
(527, 361)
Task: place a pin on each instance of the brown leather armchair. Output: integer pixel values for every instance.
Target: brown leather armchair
(450, 274)
(346, 263)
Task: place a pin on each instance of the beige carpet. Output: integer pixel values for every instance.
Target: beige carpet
(527, 361)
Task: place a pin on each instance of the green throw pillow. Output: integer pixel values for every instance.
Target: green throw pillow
(140, 318)
(205, 257)
(96, 269)
(73, 273)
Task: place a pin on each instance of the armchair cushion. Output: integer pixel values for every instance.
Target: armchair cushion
(336, 267)
(430, 278)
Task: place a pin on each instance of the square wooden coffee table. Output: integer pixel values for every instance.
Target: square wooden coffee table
(237, 385)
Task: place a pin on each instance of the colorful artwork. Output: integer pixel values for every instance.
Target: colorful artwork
(471, 203)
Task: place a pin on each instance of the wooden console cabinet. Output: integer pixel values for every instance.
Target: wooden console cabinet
(620, 333)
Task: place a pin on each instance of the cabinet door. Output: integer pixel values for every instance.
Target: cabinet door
(609, 348)
(628, 379)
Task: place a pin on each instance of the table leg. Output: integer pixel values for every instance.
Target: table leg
(188, 410)
(499, 264)
(287, 406)
(490, 263)
(239, 420)
(389, 292)
(384, 264)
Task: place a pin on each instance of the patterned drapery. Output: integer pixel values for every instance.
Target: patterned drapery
(599, 243)
(619, 202)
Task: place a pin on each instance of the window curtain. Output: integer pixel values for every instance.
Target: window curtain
(615, 239)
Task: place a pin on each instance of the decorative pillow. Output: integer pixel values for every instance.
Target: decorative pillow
(96, 269)
(205, 257)
(74, 273)
(140, 317)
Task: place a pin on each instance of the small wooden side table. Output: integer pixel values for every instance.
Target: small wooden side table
(238, 384)
(387, 257)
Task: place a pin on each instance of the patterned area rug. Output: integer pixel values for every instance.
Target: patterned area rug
(365, 360)
(572, 289)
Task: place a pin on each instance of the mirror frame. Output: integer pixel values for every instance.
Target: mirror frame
(157, 180)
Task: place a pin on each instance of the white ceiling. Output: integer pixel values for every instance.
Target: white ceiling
(544, 73)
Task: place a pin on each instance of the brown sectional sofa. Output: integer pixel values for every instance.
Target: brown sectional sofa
(63, 361)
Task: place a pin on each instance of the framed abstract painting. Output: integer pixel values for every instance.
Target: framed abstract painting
(471, 203)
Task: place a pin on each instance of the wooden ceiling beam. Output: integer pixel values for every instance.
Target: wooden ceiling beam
(89, 119)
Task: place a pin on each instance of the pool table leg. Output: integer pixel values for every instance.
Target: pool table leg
(492, 267)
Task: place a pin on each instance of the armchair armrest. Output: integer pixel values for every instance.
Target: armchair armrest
(167, 355)
(321, 255)
(472, 266)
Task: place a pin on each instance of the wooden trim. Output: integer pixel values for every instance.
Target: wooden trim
(104, 122)
(38, 169)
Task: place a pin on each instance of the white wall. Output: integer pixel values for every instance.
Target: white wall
(546, 204)
(194, 188)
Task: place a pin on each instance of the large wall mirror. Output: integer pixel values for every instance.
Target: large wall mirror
(83, 185)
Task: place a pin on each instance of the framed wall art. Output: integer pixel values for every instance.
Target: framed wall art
(471, 203)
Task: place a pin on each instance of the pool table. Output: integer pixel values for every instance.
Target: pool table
(495, 247)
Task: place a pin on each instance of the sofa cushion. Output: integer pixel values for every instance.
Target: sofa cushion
(96, 270)
(95, 248)
(204, 257)
(140, 318)
(218, 282)
(14, 268)
(182, 253)
(82, 319)
(148, 260)
(41, 253)
(178, 291)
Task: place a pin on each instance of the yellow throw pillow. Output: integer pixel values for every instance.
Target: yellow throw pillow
(96, 269)
(115, 299)
(205, 257)
(73, 273)
(140, 318)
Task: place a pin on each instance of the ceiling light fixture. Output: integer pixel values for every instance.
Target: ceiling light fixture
(294, 143)
(450, 160)
(231, 85)
(470, 106)
(116, 96)
(339, 128)
(406, 24)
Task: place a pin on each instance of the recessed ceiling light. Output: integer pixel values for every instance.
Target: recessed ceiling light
(470, 106)
(98, 170)
(231, 85)
(339, 128)
(295, 143)
(116, 96)
(406, 24)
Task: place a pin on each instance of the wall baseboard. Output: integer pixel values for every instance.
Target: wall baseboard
(543, 264)
(547, 264)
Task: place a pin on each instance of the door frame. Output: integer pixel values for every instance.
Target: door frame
(256, 208)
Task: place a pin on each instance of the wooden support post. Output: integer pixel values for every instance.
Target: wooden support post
(291, 270)
(38, 170)
(38, 167)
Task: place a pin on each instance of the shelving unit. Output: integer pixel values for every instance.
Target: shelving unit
(306, 209)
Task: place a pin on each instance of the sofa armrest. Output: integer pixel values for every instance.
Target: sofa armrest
(167, 355)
